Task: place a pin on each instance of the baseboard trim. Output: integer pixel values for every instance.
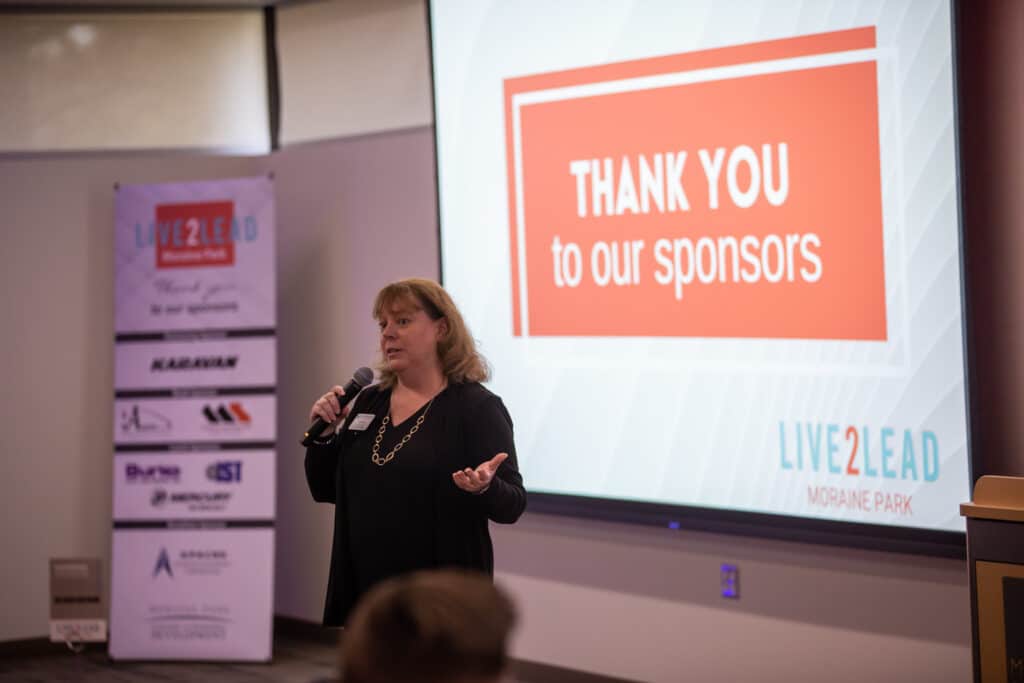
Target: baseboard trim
(305, 630)
(29, 647)
(535, 672)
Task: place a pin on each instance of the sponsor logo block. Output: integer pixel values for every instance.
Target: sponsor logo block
(195, 483)
(189, 415)
(202, 362)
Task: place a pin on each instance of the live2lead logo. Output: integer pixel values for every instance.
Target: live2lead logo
(863, 452)
(190, 235)
(857, 455)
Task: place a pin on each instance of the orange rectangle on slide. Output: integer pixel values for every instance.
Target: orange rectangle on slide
(719, 193)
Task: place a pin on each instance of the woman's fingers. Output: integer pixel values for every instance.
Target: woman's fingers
(468, 480)
(484, 474)
(461, 481)
(338, 410)
(473, 476)
(327, 409)
(327, 406)
(476, 480)
(495, 462)
(332, 398)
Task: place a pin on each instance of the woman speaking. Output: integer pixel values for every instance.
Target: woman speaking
(422, 460)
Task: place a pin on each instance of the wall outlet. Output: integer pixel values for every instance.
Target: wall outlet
(730, 580)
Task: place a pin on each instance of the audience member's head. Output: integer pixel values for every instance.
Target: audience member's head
(447, 626)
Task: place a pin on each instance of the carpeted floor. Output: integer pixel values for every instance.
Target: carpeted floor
(295, 661)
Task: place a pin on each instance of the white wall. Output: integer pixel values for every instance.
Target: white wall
(56, 350)
(353, 215)
(644, 604)
(133, 80)
(350, 67)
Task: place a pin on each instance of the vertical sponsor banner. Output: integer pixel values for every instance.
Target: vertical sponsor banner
(194, 421)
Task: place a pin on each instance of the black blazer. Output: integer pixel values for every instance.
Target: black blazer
(476, 427)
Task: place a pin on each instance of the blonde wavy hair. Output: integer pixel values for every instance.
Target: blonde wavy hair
(460, 361)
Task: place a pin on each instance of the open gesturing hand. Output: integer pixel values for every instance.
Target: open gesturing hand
(476, 481)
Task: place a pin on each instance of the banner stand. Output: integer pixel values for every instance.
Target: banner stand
(195, 409)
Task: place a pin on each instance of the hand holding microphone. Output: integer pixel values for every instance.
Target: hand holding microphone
(331, 406)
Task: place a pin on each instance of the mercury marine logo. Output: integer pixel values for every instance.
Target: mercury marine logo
(163, 364)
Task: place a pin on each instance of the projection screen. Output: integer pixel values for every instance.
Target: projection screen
(712, 252)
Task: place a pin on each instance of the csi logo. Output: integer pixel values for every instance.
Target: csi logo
(225, 471)
(152, 474)
(144, 421)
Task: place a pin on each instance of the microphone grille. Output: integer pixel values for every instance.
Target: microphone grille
(363, 376)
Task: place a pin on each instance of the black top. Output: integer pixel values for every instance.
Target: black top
(390, 507)
(408, 514)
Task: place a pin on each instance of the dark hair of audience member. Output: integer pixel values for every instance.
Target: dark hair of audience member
(449, 626)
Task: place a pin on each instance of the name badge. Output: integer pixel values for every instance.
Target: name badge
(361, 421)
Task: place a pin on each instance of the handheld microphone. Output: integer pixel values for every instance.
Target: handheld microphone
(360, 379)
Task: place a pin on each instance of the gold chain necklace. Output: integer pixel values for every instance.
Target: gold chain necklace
(381, 461)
